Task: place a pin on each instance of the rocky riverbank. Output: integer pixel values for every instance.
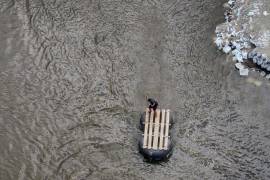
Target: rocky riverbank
(246, 34)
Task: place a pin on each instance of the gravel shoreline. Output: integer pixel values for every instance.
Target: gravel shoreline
(246, 34)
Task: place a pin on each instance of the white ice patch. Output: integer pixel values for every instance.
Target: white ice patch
(238, 55)
(251, 13)
(227, 49)
(263, 39)
(245, 54)
(265, 13)
(243, 72)
(239, 66)
(231, 2)
(219, 42)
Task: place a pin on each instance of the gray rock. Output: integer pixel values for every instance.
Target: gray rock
(263, 73)
(268, 68)
(264, 65)
(259, 61)
(259, 55)
(267, 76)
(251, 55)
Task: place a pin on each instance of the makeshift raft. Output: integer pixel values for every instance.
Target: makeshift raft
(155, 143)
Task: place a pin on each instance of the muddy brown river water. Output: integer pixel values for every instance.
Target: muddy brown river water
(74, 76)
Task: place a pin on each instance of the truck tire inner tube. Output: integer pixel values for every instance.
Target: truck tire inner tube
(156, 155)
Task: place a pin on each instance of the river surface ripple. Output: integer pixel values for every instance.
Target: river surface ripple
(74, 76)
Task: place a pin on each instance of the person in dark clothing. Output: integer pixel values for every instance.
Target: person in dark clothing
(153, 104)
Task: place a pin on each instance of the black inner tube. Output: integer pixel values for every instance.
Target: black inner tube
(156, 155)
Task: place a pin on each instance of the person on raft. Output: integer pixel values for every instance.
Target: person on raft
(153, 104)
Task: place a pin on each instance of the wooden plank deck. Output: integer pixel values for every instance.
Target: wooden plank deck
(146, 123)
(161, 144)
(150, 130)
(167, 129)
(156, 130)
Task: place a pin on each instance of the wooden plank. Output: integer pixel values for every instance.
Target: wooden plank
(167, 129)
(161, 135)
(156, 129)
(150, 130)
(146, 122)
